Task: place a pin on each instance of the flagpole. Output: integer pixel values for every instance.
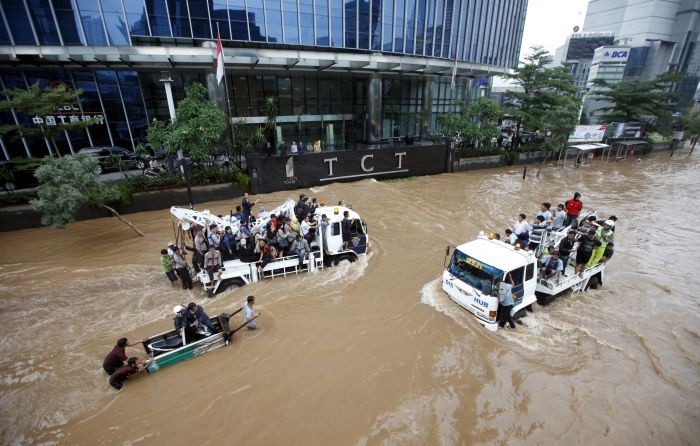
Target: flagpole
(228, 100)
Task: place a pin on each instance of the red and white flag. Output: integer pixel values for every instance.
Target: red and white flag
(219, 59)
(454, 73)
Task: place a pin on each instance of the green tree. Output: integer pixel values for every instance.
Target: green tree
(545, 93)
(692, 126)
(196, 130)
(46, 108)
(68, 183)
(637, 100)
(477, 122)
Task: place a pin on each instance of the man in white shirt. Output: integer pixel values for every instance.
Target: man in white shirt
(521, 226)
(249, 314)
(306, 225)
(558, 217)
(295, 148)
(545, 212)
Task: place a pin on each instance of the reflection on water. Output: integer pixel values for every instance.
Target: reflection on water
(371, 352)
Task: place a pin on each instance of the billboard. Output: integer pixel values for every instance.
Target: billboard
(611, 54)
(588, 133)
(583, 46)
(626, 130)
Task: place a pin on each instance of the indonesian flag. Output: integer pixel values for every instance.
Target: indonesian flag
(454, 74)
(219, 59)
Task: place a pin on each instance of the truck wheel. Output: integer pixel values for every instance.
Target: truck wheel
(228, 284)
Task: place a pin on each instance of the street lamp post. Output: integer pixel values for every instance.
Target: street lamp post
(167, 81)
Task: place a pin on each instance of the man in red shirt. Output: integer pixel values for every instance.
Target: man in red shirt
(573, 208)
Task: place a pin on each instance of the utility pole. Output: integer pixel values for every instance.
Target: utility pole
(167, 81)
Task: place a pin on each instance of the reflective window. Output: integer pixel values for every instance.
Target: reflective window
(158, 16)
(306, 22)
(90, 104)
(322, 16)
(291, 21)
(179, 20)
(133, 102)
(114, 20)
(136, 17)
(92, 22)
(298, 104)
(363, 24)
(219, 18)
(68, 19)
(43, 22)
(114, 111)
(201, 27)
(239, 20)
(410, 26)
(273, 9)
(399, 9)
(454, 28)
(4, 35)
(420, 27)
(19, 22)
(256, 20)
(430, 31)
(351, 24)
(388, 24)
(310, 94)
(337, 23)
(241, 95)
(284, 89)
(439, 16)
(376, 29)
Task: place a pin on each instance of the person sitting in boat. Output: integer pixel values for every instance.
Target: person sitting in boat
(212, 263)
(132, 367)
(539, 227)
(249, 314)
(558, 217)
(522, 229)
(117, 357)
(197, 316)
(511, 238)
(301, 248)
(551, 266)
(585, 249)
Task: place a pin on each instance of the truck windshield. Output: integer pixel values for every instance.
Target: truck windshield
(477, 274)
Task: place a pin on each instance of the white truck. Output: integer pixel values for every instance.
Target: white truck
(326, 248)
(470, 277)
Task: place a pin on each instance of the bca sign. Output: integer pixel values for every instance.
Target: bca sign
(611, 54)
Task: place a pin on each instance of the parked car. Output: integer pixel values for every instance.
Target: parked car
(109, 158)
(17, 176)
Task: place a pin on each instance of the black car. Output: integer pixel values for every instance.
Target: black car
(110, 158)
(17, 175)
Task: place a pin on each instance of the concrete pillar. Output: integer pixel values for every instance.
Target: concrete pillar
(374, 109)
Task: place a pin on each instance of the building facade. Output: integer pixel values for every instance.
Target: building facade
(663, 35)
(353, 73)
(577, 54)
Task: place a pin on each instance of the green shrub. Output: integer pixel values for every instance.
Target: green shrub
(16, 198)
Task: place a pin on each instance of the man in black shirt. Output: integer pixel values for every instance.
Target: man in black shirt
(566, 245)
(587, 243)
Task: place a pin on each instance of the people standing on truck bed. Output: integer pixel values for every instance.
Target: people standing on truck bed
(545, 212)
(522, 230)
(212, 264)
(247, 207)
(566, 247)
(558, 217)
(605, 235)
(345, 229)
(539, 228)
(301, 248)
(200, 248)
(573, 209)
(587, 243)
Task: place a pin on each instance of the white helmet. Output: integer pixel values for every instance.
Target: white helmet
(177, 309)
(610, 223)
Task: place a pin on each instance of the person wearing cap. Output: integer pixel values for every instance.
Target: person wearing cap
(168, 266)
(605, 235)
(587, 243)
(170, 249)
(573, 208)
(117, 357)
(181, 268)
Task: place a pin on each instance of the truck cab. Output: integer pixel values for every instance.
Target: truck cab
(471, 278)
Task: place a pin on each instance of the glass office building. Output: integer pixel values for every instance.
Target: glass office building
(348, 72)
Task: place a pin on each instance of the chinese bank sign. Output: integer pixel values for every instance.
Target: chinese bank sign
(68, 114)
(611, 54)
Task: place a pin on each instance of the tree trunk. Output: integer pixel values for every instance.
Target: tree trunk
(116, 214)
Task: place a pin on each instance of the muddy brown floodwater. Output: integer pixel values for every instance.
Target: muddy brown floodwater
(371, 352)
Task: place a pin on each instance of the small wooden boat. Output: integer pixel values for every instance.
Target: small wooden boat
(170, 348)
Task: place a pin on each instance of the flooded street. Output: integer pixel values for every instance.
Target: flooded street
(372, 352)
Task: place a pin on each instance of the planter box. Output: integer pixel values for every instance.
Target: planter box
(480, 162)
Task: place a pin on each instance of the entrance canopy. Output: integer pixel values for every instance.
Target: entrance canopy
(584, 152)
(624, 147)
